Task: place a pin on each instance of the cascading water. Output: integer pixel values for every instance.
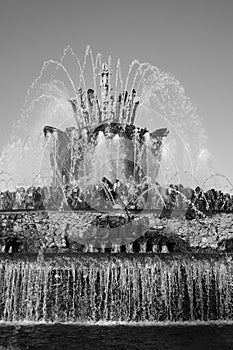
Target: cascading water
(108, 159)
(91, 288)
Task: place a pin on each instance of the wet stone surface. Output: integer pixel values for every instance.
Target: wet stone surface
(79, 231)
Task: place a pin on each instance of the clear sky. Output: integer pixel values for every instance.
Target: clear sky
(193, 40)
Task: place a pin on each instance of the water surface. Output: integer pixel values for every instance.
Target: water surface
(181, 336)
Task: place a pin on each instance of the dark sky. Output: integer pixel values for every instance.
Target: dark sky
(193, 40)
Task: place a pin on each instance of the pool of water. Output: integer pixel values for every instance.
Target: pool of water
(180, 336)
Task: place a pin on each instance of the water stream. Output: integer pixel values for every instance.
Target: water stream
(116, 287)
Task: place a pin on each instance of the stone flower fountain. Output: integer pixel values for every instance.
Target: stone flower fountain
(105, 144)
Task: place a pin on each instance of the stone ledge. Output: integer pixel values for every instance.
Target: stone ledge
(58, 231)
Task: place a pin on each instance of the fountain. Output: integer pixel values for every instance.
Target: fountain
(105, 144)
(88, 225)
